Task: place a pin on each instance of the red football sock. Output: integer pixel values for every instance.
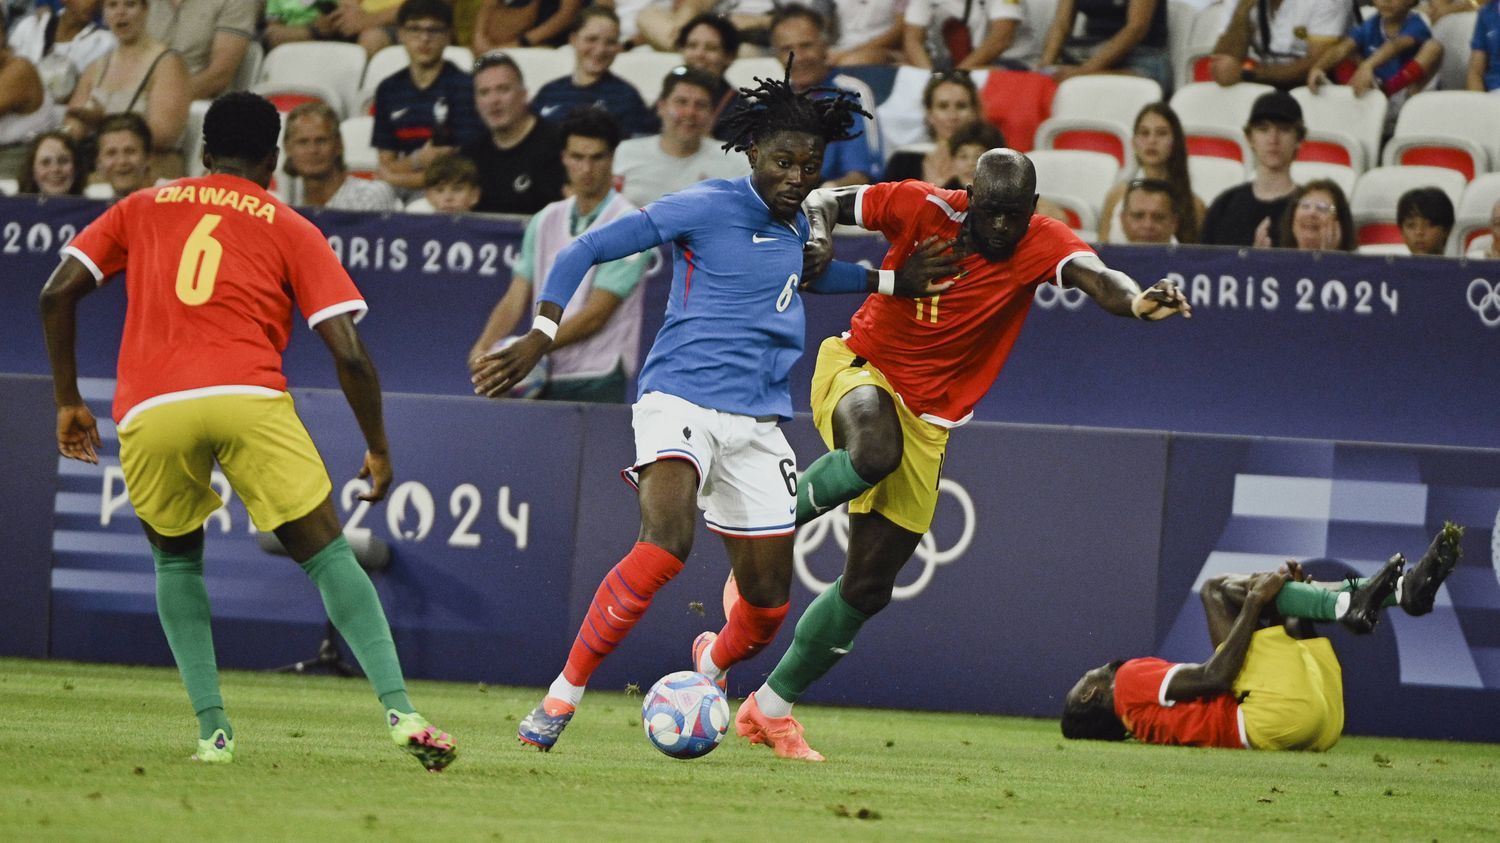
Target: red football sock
(748, 629)
(1409, 74)
(622, 598)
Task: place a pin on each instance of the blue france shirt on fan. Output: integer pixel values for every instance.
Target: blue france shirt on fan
(734, 325)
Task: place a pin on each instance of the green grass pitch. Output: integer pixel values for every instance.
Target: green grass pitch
(98, 752)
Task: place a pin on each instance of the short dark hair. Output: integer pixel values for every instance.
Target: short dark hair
(1151, 186)
(595, 11)
(497, 58)
(26, 179)
(773, 106)
(685, 75)
(1429, 203)
(424, 10)
(979, 132)
(450, 169)
(729, 34)
(242, 126)
(1094, 720)
(135, 124)
(791, 11)
(590, 121)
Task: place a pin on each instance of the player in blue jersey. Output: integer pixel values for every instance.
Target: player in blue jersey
(715, 384)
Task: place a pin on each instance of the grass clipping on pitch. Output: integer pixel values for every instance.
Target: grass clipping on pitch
(100, 752)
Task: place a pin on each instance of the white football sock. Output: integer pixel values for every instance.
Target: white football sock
(707, 666)
(771, 704)
(1341, 604)
(565, 690)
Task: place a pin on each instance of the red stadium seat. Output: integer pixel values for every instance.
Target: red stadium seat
(1373, 201)
(1215, 146)
(1459, 130)
(1325, 152)
(1454, 158)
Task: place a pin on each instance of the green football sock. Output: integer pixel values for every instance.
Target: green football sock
(1315, 603)
(824, 635)
(354, 608)
(182, 605)
(828, 482)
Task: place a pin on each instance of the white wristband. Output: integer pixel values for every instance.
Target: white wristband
(885, 283)
(546, 326)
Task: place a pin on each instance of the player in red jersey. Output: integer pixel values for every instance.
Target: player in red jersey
(1262, 688)
(212, 267)
(886, 394)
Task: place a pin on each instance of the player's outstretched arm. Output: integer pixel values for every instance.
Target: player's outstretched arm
(1118, 293)
(825, 208)
(361, 386)
(1217, 675)
(918, 276)
(77, 432)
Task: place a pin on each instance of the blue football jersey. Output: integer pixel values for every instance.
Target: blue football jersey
(734, 324)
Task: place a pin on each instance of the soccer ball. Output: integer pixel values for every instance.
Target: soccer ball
(685, 715)
(530, 386)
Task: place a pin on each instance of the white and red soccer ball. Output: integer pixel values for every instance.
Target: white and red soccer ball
(685, 715)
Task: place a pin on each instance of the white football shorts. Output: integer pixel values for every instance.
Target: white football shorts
(747, 473)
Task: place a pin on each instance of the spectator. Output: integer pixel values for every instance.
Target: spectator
(595, 42)
(62, 44)
(1150, 214)
(141, 76)
(1160, 153)
(1004, 32)
(315, 161)
(124, 160)
(662, 23)
(709, 43)
(651, 167)
(519, 169)
(1317, 218)
(1246, 215)
(800, 30)
(1425, 215)
(965, 146)
(451, 185)
(1484, 58)
(1396, 47)
(524, 23)
(426, 109)
(1281, 51)
(369, 23)
(949, 102)
(52, 166)
(1490, 251)
(211, 36)
(1128, 37)
(869, 32)
(598, 342)
(25, 109)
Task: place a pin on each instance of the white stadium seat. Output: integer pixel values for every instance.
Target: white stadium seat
(540, 65)
(1211, 176)
(334, 64)
(1088, 134)
(1200, 44)
(1373, 202)
(742, 73)
(1473, 211)
(1075, 179)
(1341, 128)
(1213, 117)
(1180, 15)
(288, 95)
(1306, 171)
(1454, 31)
(1455, 129)
(1096, 113)
(360, 157)
(9, 187)
(645, 70)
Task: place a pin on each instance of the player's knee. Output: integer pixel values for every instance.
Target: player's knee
(867, 595)
(875, 457)
(676, 539)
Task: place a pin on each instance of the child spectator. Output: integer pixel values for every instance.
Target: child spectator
(1425, 215)
(451, 185)
(1396, 47)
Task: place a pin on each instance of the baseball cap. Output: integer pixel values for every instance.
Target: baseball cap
(1275, 107)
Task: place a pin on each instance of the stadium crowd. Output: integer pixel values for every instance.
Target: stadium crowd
(1324, 126)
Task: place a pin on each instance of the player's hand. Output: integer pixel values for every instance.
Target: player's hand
(1264, 587)
(77, 433)
(816, 253)
(1160, 301)
(1293, 571)
(495, 373)
(918, 276)
(377, 469)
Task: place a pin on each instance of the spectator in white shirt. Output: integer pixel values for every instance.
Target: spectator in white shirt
(684, 153)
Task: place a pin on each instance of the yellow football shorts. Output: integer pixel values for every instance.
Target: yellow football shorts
(168, 453)
(908, 496)
(1295, 692)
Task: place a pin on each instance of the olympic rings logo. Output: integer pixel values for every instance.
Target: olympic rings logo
(811, 537)
(1484, 299)
(1048, 295)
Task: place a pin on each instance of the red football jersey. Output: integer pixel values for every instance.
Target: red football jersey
(211, 267)
(1141, 702)
(943, 353)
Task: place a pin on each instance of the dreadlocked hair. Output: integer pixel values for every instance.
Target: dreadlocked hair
(772, 106)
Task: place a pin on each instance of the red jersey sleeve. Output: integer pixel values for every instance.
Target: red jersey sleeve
(321, 285)
(1141, 703)
(1054, 245)
(1142, 682)
(100, 246)
(888, 207)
